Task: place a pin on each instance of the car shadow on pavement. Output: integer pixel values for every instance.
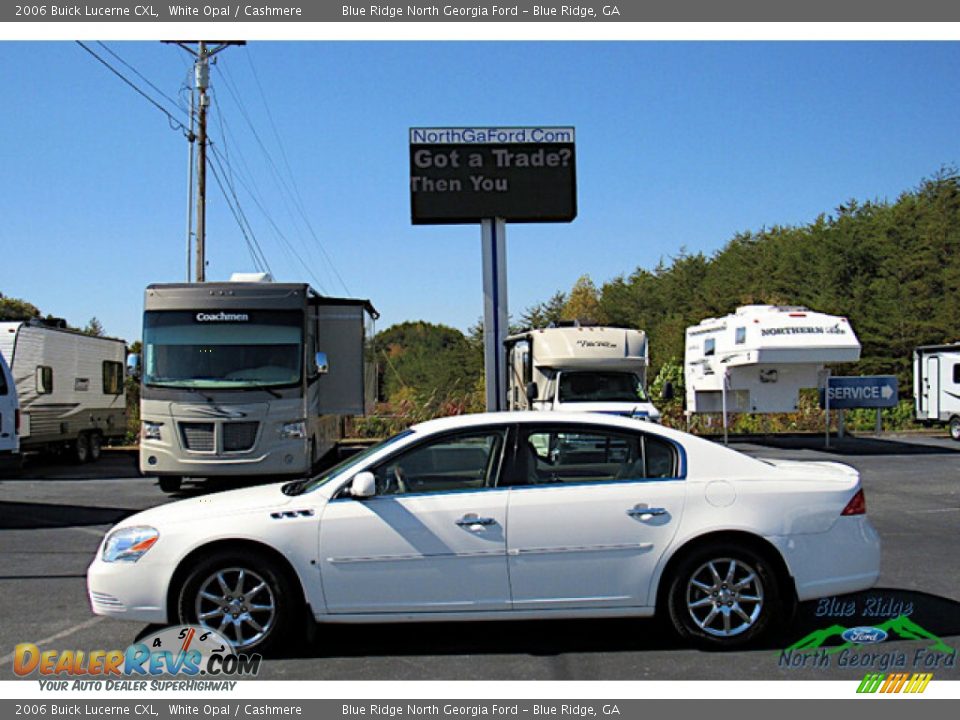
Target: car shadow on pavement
(33, 516)
(938, 616)
(849, 445)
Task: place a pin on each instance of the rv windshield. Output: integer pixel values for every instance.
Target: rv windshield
(600, 387)
(232, 349)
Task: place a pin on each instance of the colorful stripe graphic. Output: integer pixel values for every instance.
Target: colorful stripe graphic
(894, 682)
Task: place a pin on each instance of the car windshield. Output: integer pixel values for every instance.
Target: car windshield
(600, 387)
(347, 465)
(222, 350)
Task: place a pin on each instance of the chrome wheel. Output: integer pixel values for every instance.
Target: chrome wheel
(724, 597)
(238, 603)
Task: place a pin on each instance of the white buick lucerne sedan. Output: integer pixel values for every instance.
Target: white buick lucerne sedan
(502, 516)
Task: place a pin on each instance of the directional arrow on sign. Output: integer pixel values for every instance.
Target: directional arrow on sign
(886, 391)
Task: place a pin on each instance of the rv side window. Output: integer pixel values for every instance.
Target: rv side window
(741, 336)
(44, 379)
(112, 378)
(956, 373)
(709, 346)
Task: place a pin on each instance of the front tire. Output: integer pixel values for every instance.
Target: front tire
(955, 428)
(96, 446)
(170, 483)
(724, 596)
(244, 598)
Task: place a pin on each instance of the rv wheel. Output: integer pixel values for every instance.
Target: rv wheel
(81, 448)
(170, 483)
(955, 427)
(96, 445)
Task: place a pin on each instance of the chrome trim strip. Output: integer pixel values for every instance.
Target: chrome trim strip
(393, 558)
(579, 548)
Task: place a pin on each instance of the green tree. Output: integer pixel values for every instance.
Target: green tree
(583, 302)
(16, 309)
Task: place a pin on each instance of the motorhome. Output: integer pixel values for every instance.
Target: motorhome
(249, 378)
(9, 419)
(580, 368)
(936, 386)
(69, 385)
(757, 359)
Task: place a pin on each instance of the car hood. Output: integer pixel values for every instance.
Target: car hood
(229, 503)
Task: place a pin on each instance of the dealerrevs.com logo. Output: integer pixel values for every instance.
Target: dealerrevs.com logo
(189, 652)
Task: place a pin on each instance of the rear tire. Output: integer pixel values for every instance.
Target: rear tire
(170, 483)
(81, 448)
(244, 597)
(955, 427)
(724, 596)
(96, 446)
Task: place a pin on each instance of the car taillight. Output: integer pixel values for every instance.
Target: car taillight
(16, 421)
(857, 504)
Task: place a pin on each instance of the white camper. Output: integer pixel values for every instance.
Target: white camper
(757, 359)
(580, 369)
(70, 387)
(9, 419)
(936, 386)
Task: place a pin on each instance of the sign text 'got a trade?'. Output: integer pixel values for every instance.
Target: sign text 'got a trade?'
(464, 175)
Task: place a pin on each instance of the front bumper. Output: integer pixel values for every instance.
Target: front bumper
(128, 591)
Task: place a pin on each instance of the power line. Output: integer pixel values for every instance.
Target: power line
(298, 206)
(256, 252)
(174, 123)
(141, 76)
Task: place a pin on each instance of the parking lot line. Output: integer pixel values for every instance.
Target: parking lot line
(62, 634)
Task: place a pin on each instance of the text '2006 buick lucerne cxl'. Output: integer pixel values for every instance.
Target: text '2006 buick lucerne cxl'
(502, 516)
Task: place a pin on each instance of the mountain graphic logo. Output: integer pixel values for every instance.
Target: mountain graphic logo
(901, 626)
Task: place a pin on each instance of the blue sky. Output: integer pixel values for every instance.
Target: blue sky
(678, 145)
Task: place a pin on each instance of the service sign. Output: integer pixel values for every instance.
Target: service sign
(468, 174)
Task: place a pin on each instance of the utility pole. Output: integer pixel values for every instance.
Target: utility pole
(201, 67)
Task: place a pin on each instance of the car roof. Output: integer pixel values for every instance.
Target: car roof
(463, 422)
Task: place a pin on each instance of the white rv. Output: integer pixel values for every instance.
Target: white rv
(757, 359)
(9, 419)
(70, 387)
(936, 386)
(580, 369)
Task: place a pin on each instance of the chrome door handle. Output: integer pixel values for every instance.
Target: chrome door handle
(642, 511)
(474, 519)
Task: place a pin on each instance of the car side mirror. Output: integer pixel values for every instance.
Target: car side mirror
(666, 393)
(363, 485)
(532, 392)
(133, 365)
(321, 364)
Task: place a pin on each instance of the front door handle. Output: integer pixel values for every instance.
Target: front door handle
(474, 519)
(643, 512)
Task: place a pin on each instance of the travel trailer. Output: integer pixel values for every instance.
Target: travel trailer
(69, 385)
(581, 369)
(9, 420)
(759, 358)
(249, 378)
(936, 386)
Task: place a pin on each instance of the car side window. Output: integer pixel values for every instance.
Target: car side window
(469, 461)
(589, 455)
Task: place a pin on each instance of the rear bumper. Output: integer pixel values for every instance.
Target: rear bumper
(844, 559)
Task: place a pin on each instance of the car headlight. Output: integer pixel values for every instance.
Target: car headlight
(129, 544)
(151, 430)
(293, 430)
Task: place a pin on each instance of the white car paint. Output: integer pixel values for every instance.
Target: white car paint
(548, 551)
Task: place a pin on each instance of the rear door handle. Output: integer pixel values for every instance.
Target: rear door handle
(643, 512)
(474, 519)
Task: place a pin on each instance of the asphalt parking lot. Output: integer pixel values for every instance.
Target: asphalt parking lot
(53, 516)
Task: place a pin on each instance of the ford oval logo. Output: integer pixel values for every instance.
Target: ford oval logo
(864, 635)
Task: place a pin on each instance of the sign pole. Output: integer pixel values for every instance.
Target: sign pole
(495, 318)
(826, 401)
(723, 397)
(879, 421)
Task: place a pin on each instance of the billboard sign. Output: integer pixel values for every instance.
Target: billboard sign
(468, 174)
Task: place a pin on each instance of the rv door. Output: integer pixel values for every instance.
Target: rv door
(345, 336)
(933, 387)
